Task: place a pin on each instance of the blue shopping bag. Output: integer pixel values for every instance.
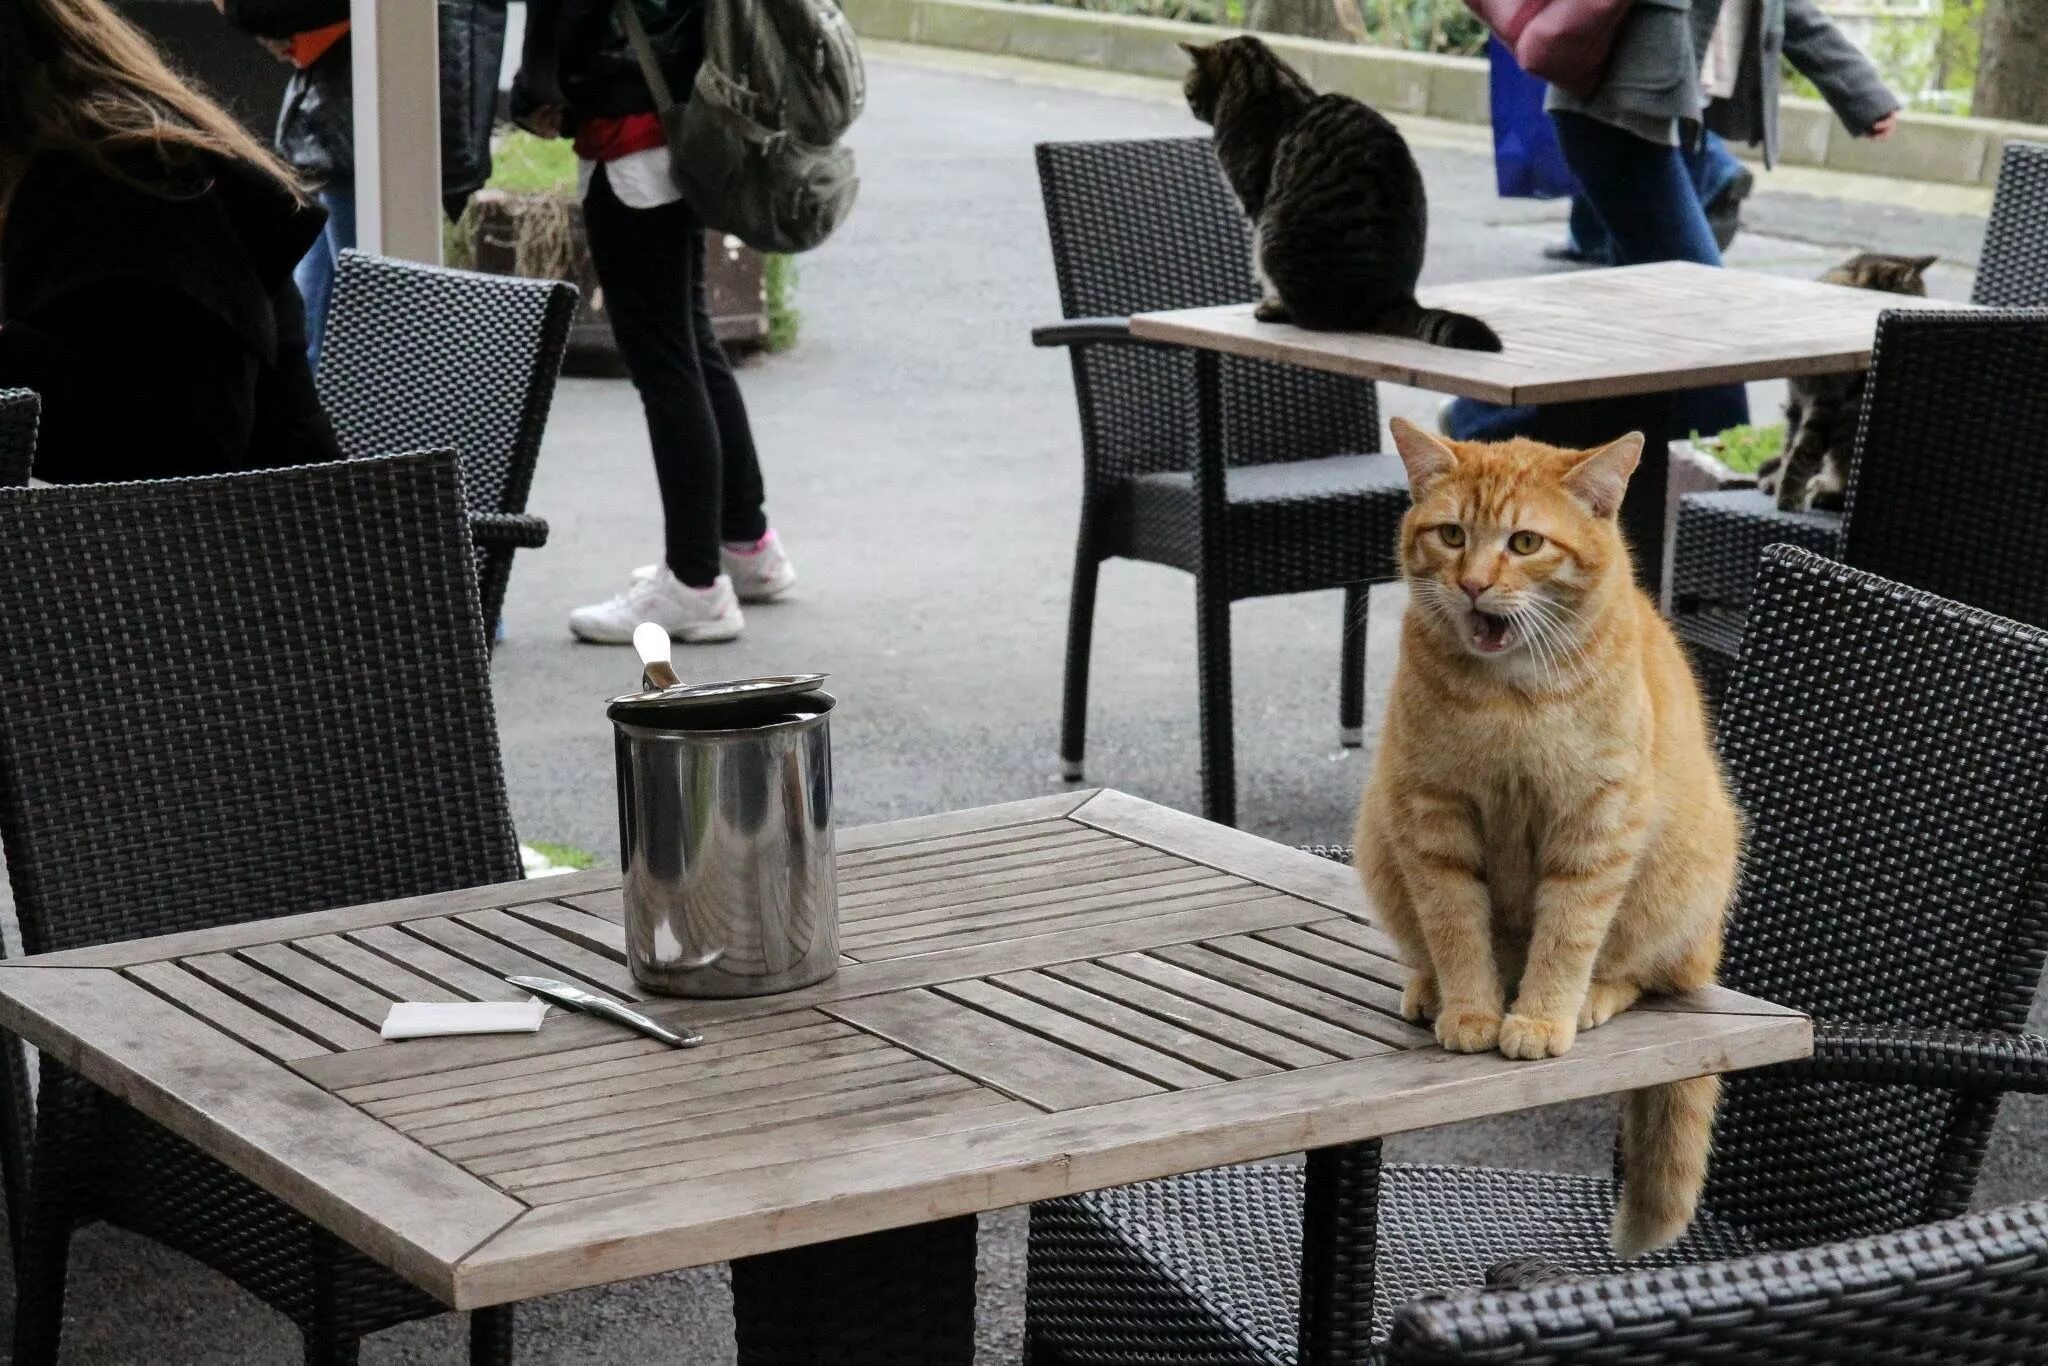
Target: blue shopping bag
(1527, 162)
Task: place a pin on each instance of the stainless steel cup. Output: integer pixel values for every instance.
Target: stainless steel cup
(725, 825)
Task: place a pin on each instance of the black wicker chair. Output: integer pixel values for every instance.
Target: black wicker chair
(1891, 749)
(1947, 492)
(20, 412)
(422, 358)
(1721, 535)
(2012, 267)
(1256, 478)
(308, 724)
(1964, 1292)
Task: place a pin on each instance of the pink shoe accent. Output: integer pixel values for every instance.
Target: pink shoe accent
(749, 547)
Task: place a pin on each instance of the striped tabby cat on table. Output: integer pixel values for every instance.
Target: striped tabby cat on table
(1821, 411)
(1338, 213)
(1546, 832)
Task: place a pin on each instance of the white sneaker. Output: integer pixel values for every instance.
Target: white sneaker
(694, 616)
(760, 572)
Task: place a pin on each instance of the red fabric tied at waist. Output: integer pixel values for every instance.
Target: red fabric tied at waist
(609, 139)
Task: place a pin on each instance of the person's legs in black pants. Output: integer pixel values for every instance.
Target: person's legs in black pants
(742, 518)
(650, 264)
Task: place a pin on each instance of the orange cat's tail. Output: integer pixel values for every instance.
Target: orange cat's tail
(1666, 1132)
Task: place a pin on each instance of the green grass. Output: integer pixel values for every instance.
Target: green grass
(564, 855)
(525, 164)
(1743, 449)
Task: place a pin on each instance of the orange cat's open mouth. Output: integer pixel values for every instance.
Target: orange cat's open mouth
(1490, 633)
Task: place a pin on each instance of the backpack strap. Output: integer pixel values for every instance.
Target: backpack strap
(643, 50)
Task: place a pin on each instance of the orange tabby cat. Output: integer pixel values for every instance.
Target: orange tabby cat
(1546, 832)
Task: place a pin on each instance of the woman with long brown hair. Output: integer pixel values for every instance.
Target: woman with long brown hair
(146, 251)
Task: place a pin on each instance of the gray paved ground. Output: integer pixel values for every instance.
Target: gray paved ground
(922, 463)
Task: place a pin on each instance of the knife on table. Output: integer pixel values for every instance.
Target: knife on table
(576, 998)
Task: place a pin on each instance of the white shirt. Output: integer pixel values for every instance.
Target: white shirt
(1723, 61)
(640, 179)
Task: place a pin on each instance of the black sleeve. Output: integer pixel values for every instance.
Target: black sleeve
(283, 18)
(137, 382)
(538, 82)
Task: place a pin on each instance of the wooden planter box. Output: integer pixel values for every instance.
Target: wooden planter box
(734, 275)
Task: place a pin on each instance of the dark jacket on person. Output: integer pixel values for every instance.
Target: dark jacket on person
(1653, 74)
(576, 55)
(157, 318)
(316, 123)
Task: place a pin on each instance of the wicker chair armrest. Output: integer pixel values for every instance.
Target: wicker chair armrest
(507, 531)
(1959, 1059)
(1958, 1279)
(1087, 332)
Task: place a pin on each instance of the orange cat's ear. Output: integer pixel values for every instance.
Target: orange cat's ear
(1601, 476)
(1426, 456)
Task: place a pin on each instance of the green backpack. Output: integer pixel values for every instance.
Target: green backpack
(756, 149)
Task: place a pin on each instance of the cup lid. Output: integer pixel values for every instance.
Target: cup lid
(712, 694)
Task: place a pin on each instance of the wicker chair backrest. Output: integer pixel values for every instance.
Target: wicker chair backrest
(2012, 268)
(20, 411)
(241, 697)
(420, 357)
(1890, 749)
(1144, 225)
(1951, 472)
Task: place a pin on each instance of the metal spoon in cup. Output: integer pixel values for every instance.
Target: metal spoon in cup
(652, 643)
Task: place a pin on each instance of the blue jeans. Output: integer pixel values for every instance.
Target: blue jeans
(1711, 166)
(315, 272)
(1647, 197)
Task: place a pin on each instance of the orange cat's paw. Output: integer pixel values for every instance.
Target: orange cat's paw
(1419, 999)
(1462, 1029)
(1604, 1001)
(1525, 1036)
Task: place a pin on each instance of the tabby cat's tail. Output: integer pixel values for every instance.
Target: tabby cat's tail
(1666, 1132)
(1438, 326)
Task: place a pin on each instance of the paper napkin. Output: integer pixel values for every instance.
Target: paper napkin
(432, 1019)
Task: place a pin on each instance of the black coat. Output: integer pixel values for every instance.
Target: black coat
(160, 324)
(576, 55)
(316, 125)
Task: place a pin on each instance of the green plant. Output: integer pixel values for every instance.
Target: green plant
(564, 855)
(779, 282)
(524, 164)
(1744, 449)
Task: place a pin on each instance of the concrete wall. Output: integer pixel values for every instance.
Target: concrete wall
(1933, 147)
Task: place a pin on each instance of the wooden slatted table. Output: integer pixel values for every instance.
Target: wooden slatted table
(1036, 999)
(1599, 349)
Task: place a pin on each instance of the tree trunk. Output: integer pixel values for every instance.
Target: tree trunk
(2014, 55)
(1304, 18)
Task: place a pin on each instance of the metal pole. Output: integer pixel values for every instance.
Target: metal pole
(396, 45)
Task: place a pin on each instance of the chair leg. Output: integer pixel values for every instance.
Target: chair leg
(1351, 670)
(490, 1336)
(325, 1349)
(1212, 644)
(47, 1219)
(1080, 639)
(326, 1344)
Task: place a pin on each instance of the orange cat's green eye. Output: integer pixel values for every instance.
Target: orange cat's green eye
(1453, 535)
(1525, 542)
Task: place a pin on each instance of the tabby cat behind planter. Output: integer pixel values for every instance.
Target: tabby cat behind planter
(1336, 202)
(1821, 411)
